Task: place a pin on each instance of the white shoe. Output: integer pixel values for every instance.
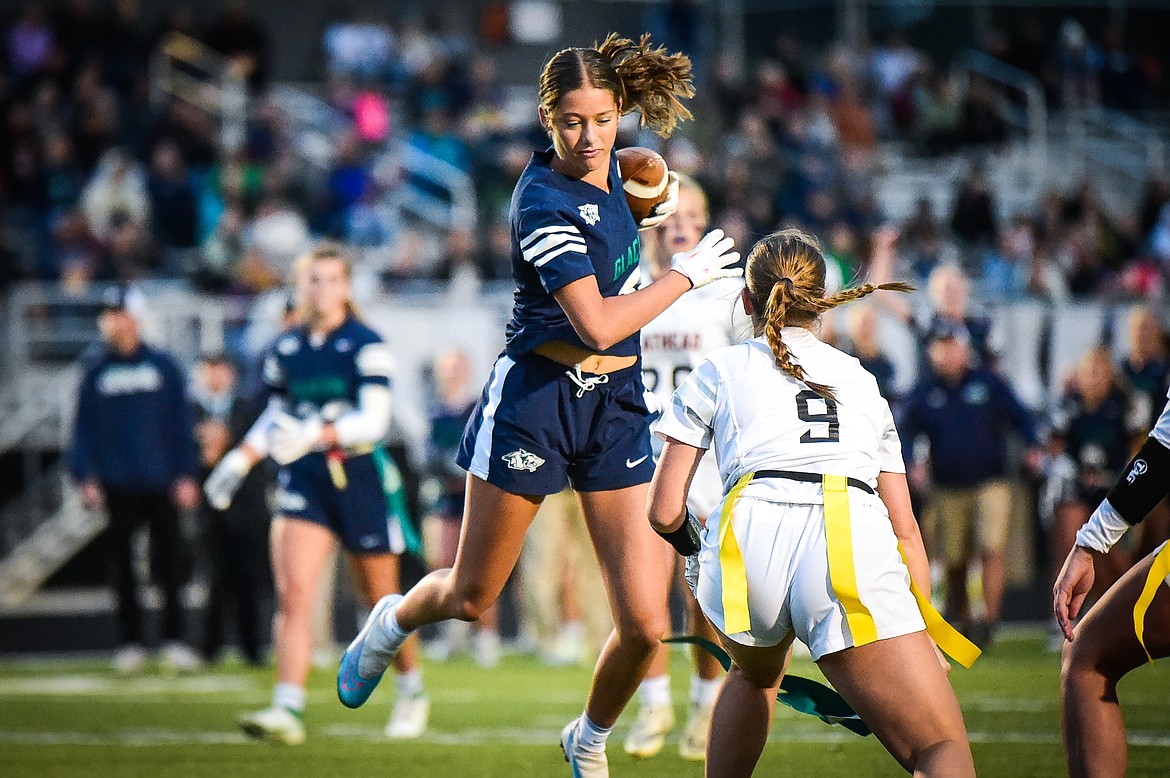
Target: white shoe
(179, 658)
(129, 659)
(409, 718)
(275, 725)
(584, 764)
(487, 649)
(693, 745)
(569, 647)
(648, 735)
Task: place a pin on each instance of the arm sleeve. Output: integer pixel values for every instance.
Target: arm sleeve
(370, 420)
(257, 435)
(81, 453)
(689, 416)
(553, 246)
(890, 446)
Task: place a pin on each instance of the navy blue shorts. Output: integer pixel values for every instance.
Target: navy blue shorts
(359, 514)
(536, 428)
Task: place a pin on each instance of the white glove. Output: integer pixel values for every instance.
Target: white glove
(292, 438)
(665, 209)
(710, 260)
(221, 485)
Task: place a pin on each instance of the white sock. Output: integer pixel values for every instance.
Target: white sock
(655, 691)
(704, 692)
(409, 684)
(389, 623)
(590, 736)
(289, 696)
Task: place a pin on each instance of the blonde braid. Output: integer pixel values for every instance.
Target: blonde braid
(774, 319)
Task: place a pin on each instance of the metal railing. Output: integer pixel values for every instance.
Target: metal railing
(187, 70)
(1033, 120)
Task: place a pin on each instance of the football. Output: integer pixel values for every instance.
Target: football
(643, 179)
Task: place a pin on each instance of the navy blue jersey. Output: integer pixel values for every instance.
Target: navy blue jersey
(1099, 440)
(564, 229)
(134, 428)
(965, 424)
(324, 378)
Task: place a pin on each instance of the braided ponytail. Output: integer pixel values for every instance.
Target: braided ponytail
(781, 296)
(786, 282)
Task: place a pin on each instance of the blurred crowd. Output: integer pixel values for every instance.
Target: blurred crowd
(99, 181)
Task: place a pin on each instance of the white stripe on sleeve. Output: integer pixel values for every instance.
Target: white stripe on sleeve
(578, 248)
(535, 234)
(550, 242)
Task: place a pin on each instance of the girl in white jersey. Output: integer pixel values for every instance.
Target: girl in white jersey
(673, 345)
(1128, 626)
(806, 541)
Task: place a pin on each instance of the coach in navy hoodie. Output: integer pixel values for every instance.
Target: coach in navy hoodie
(134, 452)
(966, 413)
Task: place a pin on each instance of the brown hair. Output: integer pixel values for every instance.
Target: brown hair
(638, 74)
(324, 250)
(785, 277)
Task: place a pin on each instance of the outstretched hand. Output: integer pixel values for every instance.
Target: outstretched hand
(708, 261)
(1071, 588)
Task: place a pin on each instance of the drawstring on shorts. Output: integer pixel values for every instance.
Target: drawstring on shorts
(585, 384)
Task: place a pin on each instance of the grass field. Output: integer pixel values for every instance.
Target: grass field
(77, 718)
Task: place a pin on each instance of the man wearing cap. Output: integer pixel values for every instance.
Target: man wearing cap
(965, 413)
(134, 453)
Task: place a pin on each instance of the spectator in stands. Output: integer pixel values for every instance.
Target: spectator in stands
(62, 177)
(116, 194)
(358, 46)
(236, 539)
(133, 452)
(240, 37)
(1123, 84)
(1098, 423)
(966, 413)
(863, 337)
(973, 216)
(1080, 66)
(173, 206)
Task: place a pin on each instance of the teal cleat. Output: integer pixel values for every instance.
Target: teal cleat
(362, 666)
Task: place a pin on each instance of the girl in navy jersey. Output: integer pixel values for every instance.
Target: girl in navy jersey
(564, 401)
(330, 383)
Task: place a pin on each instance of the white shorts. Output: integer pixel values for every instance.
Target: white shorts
(706, 487)
(787, 564)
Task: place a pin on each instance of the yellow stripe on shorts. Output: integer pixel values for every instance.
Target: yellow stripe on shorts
(736, 616)
(950, 640)
(1158, 572)
(842, 574)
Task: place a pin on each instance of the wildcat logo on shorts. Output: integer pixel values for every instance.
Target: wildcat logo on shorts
(589, 213)
(522, 460)
(1139, 467)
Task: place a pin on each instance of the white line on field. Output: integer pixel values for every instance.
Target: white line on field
(519, 736)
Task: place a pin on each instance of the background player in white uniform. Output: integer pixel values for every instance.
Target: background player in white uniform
(802, 545)
(1128, 626)
(672, 345)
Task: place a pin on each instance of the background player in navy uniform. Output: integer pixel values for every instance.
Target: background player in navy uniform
(330, 378)
(134, 452)
(564, 402)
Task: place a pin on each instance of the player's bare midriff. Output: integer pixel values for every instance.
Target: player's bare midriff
(590, 361)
